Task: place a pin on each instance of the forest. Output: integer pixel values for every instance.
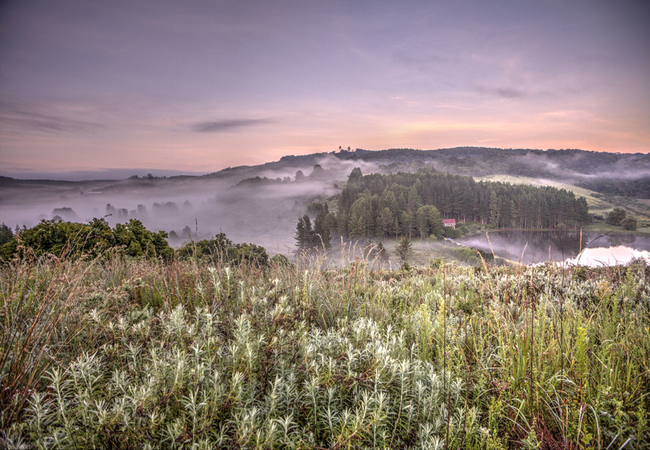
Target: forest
(414, 204)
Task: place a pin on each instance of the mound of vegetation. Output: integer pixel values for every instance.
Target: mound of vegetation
(141, 353)
(70, 239)
(222, 249)
(74, 240)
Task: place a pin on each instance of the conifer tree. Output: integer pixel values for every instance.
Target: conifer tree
(404, 248)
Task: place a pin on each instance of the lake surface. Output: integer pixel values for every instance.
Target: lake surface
(531, 247)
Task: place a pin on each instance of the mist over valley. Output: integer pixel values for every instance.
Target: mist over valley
(261, 204)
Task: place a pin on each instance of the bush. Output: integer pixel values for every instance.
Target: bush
(629, 223)
(616, 216)
(220, 248)
(451, 232)
(70, 239)
(436, 263)
(6, 234)
(280, 261)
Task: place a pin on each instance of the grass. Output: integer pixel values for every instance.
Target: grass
(120, 353)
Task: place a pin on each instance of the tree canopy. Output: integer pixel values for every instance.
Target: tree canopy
(220, 248)
(71, 239)
(407, 204)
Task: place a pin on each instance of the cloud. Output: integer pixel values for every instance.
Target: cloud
(503, 92)
(27, 118)
(218, 126)
(511, 93)
(423, 63)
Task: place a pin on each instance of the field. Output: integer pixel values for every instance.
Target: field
(124, 353)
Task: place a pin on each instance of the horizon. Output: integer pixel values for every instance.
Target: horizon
(117, 174)
(95, 87)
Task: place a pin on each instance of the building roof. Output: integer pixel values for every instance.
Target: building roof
(448, 220)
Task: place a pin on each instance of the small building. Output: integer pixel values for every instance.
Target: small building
(449, 223)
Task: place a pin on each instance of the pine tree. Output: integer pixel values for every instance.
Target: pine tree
(495, 209)
(404, 248)
(428, 221)
(355, 175)
(304, 234)
(5, 234)
(321, 238)
(356, 226)
(387, 222)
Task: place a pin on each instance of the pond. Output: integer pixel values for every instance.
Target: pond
(532, 247)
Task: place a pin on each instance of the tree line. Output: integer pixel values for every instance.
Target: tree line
(414, 204)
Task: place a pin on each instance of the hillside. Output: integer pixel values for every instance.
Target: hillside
(262, 203)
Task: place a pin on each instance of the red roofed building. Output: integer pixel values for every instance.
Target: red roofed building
(449, 223)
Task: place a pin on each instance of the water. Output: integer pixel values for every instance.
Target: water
(533, 247)
(608, 256)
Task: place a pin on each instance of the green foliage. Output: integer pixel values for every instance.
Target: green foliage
(451, 233)
(354, 175)
(629, 223)
(318, 238)
(429, 221)
(413, 203)
(436, 263)
(5, 234)
(616, 216)
(135, 353)
(280, 261)
(221, 249)
(404, 248)
(468, 255)
(70, 239)
(138, 241)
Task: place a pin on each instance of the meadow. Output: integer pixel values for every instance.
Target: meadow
(124, 353)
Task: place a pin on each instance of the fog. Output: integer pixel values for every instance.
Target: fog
(249, 205)
(104, 174)
(608, 256)
(531, 247)
(577, 166)
(261, 204)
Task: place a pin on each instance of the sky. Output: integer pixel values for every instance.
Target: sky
(196, 86)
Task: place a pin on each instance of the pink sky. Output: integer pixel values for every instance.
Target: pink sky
(199, 86)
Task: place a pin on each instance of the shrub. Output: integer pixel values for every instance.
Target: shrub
(70, 239)
(616, 216)
(280, 260)
(629, 223)
(222, 249)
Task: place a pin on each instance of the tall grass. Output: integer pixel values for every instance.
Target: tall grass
(119, 353)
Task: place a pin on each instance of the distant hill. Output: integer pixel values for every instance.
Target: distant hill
(624, 174)
(614, 173)
(261, 203)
